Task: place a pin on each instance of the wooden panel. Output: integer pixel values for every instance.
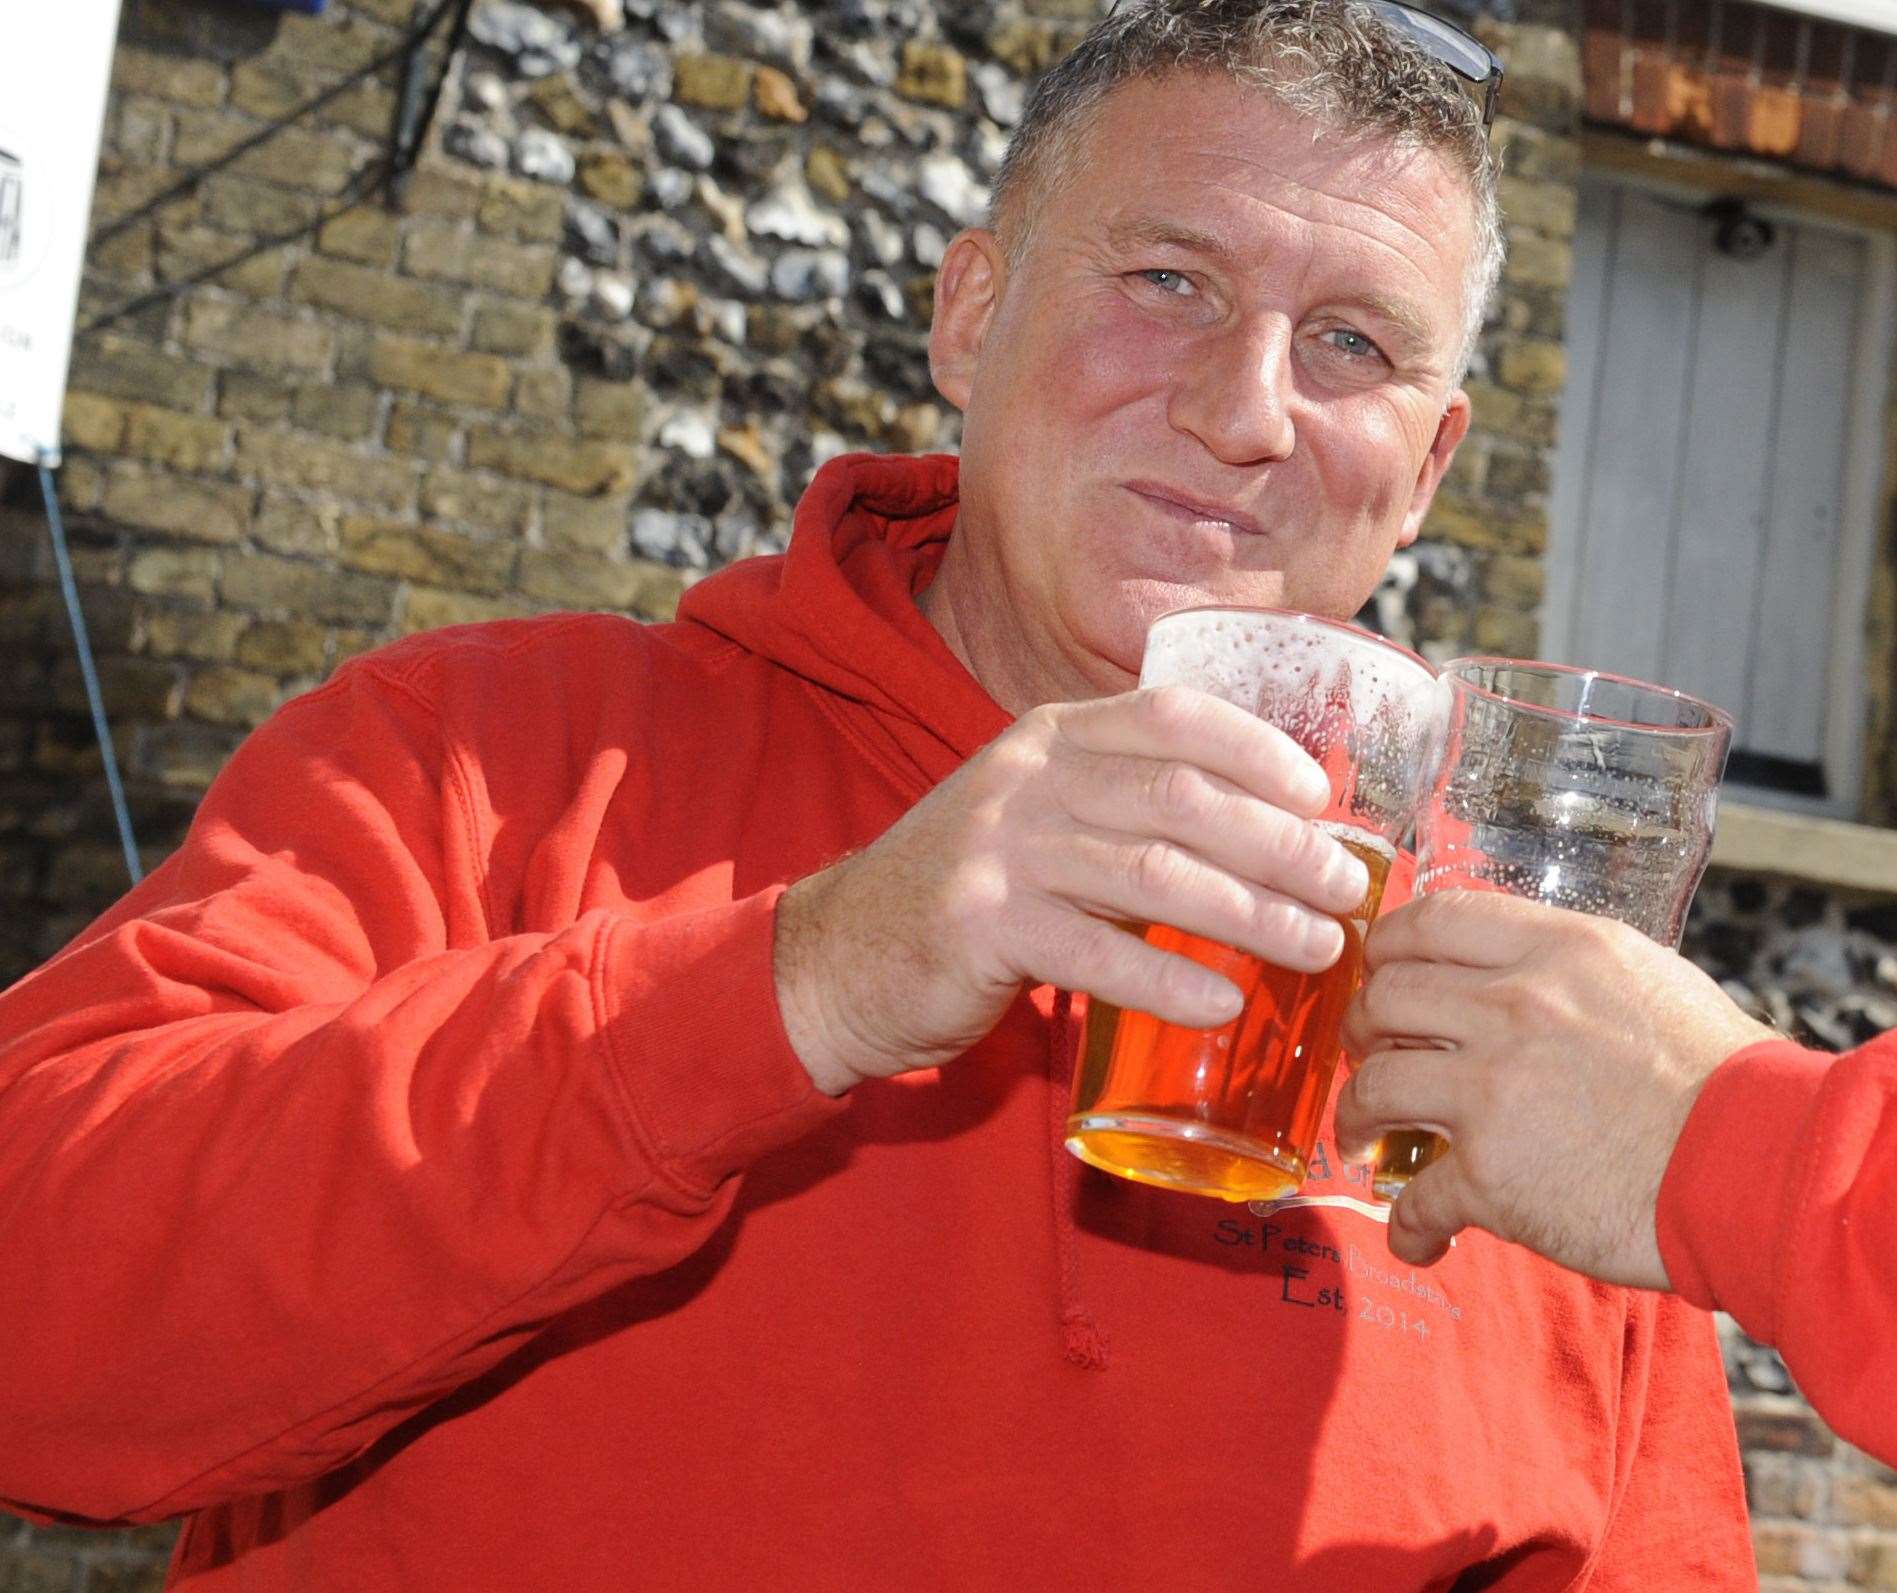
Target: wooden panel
(1785, 711)
(1719, 525)
(1635, 455)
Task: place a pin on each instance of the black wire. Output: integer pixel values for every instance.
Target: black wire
(186, 184)
(368, 184)
(384, 173)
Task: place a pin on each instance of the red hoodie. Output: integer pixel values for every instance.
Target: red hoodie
(411, 1181)
(1780, 1206)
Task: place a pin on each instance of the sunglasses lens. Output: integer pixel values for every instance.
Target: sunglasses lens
(1450, 45)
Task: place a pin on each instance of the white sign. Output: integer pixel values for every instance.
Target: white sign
(54, 63)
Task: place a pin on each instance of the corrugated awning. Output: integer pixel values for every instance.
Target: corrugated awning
(1762, 80)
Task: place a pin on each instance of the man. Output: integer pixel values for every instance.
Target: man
(1612, 1109)
(585, 1107)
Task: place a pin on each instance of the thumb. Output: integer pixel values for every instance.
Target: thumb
(1432, 1209)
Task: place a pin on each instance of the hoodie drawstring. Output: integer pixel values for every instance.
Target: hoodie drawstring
(1081, 1339)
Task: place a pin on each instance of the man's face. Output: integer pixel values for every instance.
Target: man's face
(1220, 374)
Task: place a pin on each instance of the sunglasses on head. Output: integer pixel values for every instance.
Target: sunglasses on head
(1468, 57)
(1465, 55)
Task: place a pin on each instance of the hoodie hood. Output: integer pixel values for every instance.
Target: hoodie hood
(839, 608)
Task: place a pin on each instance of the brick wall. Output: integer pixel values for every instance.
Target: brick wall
(1824, 1515)
(641, 283)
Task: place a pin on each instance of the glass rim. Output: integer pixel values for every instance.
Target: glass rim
(1717, 719)
(1355, 632)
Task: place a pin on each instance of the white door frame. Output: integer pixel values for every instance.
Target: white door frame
(1860, 509)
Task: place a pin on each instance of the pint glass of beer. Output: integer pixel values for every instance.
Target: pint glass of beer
(1586, 790)
(1233, 1112)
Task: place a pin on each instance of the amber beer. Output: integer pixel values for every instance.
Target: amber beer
(1231, 1112)
(1400, 1155)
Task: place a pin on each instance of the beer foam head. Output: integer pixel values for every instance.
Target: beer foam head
(1371, 713)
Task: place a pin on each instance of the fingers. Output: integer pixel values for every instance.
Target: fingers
(1081, 953)
(1417, 1088)
(1177, 722)
(1479, 929)
(1115, 877)
(1204, 813)
(1410, 1003)
(1429, 1213)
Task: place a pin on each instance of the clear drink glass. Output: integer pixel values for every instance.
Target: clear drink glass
(1569, 786)
(1233, 1112)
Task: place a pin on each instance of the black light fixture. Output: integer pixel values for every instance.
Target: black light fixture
(1738, 232)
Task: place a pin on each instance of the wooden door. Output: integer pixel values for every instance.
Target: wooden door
(1703, 496)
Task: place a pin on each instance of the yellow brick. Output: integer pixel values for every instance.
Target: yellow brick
(92, 422)
(421, 431)
(257, 338)
(295, 526)
(443, 373)
(438, 558)
(429, 609)
(302, 590)
(122, 369)
(543, 394)
(174, 572)
(348, 412)
(245, 205)
(185, 442)
(440, 191)
(445, 253)
(183, 80)
(582, 581)
(284, 647)
(492, 503)
(587, 468)
(228, 696)
(592, 525)
(367, 234)
(204, 511)
(611, 409)
(328, 42)
(376, 296)
(501, 327)
(187, 633)
(289, 459)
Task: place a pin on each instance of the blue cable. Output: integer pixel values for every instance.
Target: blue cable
(99, 726)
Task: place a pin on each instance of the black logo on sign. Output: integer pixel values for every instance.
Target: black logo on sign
(12, 209)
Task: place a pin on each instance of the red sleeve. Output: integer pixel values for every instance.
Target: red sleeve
(1780, 1206)
(291, 1144)
(1679, 1516)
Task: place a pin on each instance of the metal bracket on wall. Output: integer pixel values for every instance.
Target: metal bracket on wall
(417, 101)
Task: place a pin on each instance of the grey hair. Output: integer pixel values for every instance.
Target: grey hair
(1331, 60)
